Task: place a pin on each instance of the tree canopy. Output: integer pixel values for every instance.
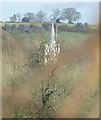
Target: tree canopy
(18, 16)
(13, 18)
(56, 13)
(29, 15)
(41, 15)
(68, 14)
(71, 15)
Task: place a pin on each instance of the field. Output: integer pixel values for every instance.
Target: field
(17, 24)
(38, 24)
(73, 80)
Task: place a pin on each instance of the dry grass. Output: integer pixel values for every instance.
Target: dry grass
(74, 79)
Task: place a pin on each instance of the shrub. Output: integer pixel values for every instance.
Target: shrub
(79, 27)
(64, 28)
(14, 27)
(29, 28)
(58, 21)
(7, 27)
(46, 25)
(26, 19)
(21, 28)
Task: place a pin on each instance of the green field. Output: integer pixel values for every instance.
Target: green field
(38, 24)
(44, 36)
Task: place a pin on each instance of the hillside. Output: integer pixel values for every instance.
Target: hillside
(73, 79)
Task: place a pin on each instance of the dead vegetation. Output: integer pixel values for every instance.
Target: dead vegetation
(31, 89)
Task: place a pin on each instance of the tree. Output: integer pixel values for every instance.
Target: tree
(57, 20)
(56, 13)
(13, 18)
(18, 15)
(41, 16)
(71, 15)
(77, 16)
(29, 15)
(26, 19)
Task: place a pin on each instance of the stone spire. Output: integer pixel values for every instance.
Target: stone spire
(52, 48)
(53, 34)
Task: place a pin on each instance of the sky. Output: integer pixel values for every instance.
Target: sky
(88, 10)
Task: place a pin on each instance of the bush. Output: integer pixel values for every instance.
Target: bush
(7, 27)
(64, 28)
(26, 19)
(58, 21)
(46, 25)
(14, 27)
(21, 28)
(29, 28)
(79, 27)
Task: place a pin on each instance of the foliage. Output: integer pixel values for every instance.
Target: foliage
(10, 27)
(13, 18)
(71, 15)
(26, 19)
(55, 87)
(22, 28)
(36, 57)
(79, 27)
(58, 20)
(41, 15)
(29, 15)
(18, 15)
(55, 14)
(46, 25)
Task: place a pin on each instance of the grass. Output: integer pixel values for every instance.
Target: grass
(64, 77)
(43, 36)
(38, 24)
(89, 103)
(31, 37)
(94, 26)
(1, 23)
(72, 36)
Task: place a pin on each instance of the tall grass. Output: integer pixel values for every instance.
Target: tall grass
(61, 77)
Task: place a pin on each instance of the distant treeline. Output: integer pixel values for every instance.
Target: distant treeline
(22, 28)
(46, 26)
(71, 15)
(79, 27)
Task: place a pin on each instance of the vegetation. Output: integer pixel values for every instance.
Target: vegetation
(34, 89)
(26, 19)
(13, 18)
(69, 14)
(46, 26)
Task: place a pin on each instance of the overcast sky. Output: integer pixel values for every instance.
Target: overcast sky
(88, 10)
